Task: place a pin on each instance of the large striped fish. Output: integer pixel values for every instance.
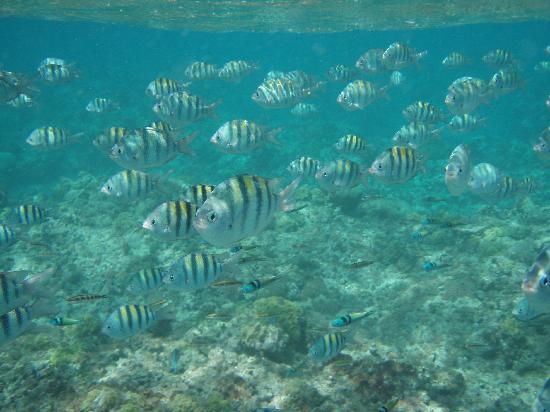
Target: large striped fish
(327, 346)
(15, 322)
(201, 71)
(194, 271)
(182, 107)
(48, 138)
(129, 320)
(279, 93)
(484, 179)
(29, 214)
(240, 207)
(163, 86)
(397, 164)
(131, 184)
(359, 94)
(399, 55)
(171, 220)
(235, 70)
(7, 236)
(15, 291)
(243, 136)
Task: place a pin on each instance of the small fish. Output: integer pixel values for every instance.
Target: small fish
(397, 78)
(102, 105)
(547, 50)
(257, 284)
(359, 94)
(397, 164)
(399, 55)
(227, 282)
(416, 134)
(539, 67)
(371, 61)
(235, 70)
(171, 220)
(243, 136)
(327, 347)
(131, 184)
(350, 143)
(304, 110)
(21, 100)
(423, 112)
(163, 86)
(86, 297)
(536, 282)
(128, 320)
(346, 320)
(47, 138)
(433, 199)
(505, 81)
(29, 214)
(195, 271)
(146, 280)
(341, 73)
(15, 322)
(201, 71)
(197, 194)
(57, 73)
(279, 93)
(263, 315)
(389, 406)
(360, 264)
(499, 58)
(53, 60)
(455, 59)
(484, 179)
(240, 207)
(174, 358)
(182, 107)
(62, 321)
(466, 123)
(304, 166)
(465, 94)
(341, 174)
(7, 236)
(218, 315)
(457, 171)
(110, 137)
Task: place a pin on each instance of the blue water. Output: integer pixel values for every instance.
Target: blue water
(118, 62)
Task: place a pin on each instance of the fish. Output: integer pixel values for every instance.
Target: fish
(347, 319)
(163, 86)
(466, 94)
(416, 134)
(542, 148)
(466, 123)
(29, 214)
(454, 60)
(174, 358)
(7, 236)
(240, 207)
(257, 284)
(499, 58)
(53, 60)
(146, 148)
(508, 187)
(359, 94)
(350, 143)
(171, 220)
(542, 401)
(341, 73)
(195, 271)
(243, 136)
(399, 55)
(505, 81)
(457, 171)
(146, 280)
(304, 110)
(397, 164)
(327, 347)
(543, 66)
(163, 127)
(131, 184)
(360, 264)
(110, 137)
(182, 107)
(423, 112)
(62, 321)
(49, 138)
(86, 297)
(129, 320)
(484, 179)
(304, 166)
(11, 86)
(279, 93)
(15, 291)
(299, 78)
(218, 315)
(15, 322)
(235, 70)
(371, 61)
(397, 78)
(201, 71)
(21, 100)
(57, 73)
(340, 174)
(102, 105)
(227, 282)
(197, 194)
(536, 281)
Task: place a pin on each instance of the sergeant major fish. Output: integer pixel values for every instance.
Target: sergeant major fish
(359, 94)
(499, 58)
(371, 61)
(484, 179)
(415, 134)
(201, 71)
(423, 112)
(399, 55)
(29, 214)
(505, 81)
(240, 207)
(7, 236)
(129, 320)
(130, 184)
(235, 70)
(16, 322)
(457, 171)
(536, 287)
(466, 123)
(340, 174)
(466, 94)
(304, 110)
(195, 271)
(304, 166)
(21, 100)
(163, 86)
(15, 291)
(279, 93)
(243, 136)
(146, 280)
(341, 73)
(351, 143)
(49, 138)
(110, 137)
(197, 194)
(327, 347)
(102, 105)
(397, 164)
(183, 107)
(56, 73)
(171, 220)
(455, 59)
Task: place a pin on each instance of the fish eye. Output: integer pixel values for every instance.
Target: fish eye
(212, 217)
(109, 188)
(325, 174)
(379, 165)
(153, 221)
(108, 326)
(119, 151)
(171, 277)
(544, 281)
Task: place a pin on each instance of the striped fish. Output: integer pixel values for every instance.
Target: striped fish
(15, 322)
(415, 134)
(110, 137)
(147, 147)
(128, 320)
(85, 297)
(350, 143)
(240, 207)
(359, 94)
(163, 127)
(346, 320)
(21, 100)
(194, 271)
(162, 86)
(55, 73)
(371, 61)
(7, 236)
(341, 73)
(130, 184)
(423, 112)
(183, 107)
(279, 93)
(146, 280)
(201, 71)
(15, 292)
(47, 138)
(243, 136)
(397, 164)
(235, 70)
(257, 284)
(543, 66)
(457, 171)
(327, 346)
(171, 220)
(304, 110)
(499, 58)
(102, 105)
(340, 174)
(53, 60)
(197, 194)
(304, 166)
(466, 123)
(484, 179)
(10, 86)
(505, 81)
(29, 214)
(455, 59)
(509, 187)
(399, 55)
(536, 280)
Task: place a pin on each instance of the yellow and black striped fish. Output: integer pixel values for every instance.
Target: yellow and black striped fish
(455, 59)
(7, 236)
(359, 94)
(327, 346)
(505, 81)
(351, 143)
(129, 320)
(47, 138)
(465, 123)
(423, 112)
(163, 86)
(163, 127)
(146, 280)
(106, 140)
(171, 220)
(197, 194)
(499, 58)
(243, 136)
(15, 322)
(29, 214)
(201, 71)
(340, 174)
(399, 55)
(183, 107)
(304, 166)
(102, 105)
(130, 184)
(56, 72)
(235, 70)
(194, 271)
(396, 165)
(279, 93)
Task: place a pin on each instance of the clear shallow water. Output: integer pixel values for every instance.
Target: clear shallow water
(441, 340)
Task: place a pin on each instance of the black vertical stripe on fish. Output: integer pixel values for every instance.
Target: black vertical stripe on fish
(189, 213)
(206, 268)
(139, 316)
(245, 200)
(146, 310)
(194, 268)
(268, 197)
(18, 317)
(185, 272)
(392, 162)
(259, 199)
(6, 324)
(26, 214)
(120, 321)
(5, 291)
(16, 290)
(129, 319)
(178, 217)
(169, 213)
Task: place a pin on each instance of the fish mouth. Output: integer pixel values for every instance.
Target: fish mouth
(372, 170)
(104, 190)
(147, 225)
(200, 224)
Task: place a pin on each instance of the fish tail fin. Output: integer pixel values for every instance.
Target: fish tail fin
(213, 106)
(76, 137)
(183, 144)
(160, 306)
(287, 203)
(32, 283)
(383, 92)
(272, 136)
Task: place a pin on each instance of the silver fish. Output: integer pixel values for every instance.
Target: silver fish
(21, 100)
(304, 166)
(327, 347)
(304, 110)
(102, 105)
(415, 134)
(171, 220)
(371, 61)
(194, 271)
(235, 70)
(399, 55)
(397, 164)
(130, 184)
(201, 71)
(183, 107)
(457, 171)
(339, 175)
(243, 136)
(484, 179)
(359, 94)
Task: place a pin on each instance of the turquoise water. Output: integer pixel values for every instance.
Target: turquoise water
(440, 340)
